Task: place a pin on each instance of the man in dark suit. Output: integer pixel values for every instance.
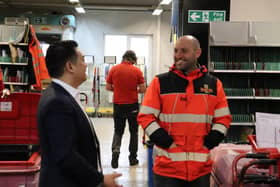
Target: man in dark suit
(69, 145)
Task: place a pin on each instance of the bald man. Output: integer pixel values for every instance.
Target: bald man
(185, 114)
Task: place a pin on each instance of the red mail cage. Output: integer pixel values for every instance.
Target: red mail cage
(245, 166)
(19, 141)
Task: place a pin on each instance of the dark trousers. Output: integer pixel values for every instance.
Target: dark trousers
(121, 113)
(161, 181)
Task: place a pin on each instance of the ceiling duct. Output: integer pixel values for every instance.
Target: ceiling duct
(118, 8)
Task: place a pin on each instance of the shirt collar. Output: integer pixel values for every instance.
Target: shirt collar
(127, 62)
(73, 91)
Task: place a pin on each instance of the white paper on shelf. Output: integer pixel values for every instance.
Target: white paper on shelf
(268, 130)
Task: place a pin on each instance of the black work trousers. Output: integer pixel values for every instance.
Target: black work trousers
(121, 113)
(162, 181)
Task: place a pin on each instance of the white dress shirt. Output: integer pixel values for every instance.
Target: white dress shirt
(75, 93)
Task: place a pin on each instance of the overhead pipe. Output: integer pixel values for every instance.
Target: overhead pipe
(112, 7)
(97, 7)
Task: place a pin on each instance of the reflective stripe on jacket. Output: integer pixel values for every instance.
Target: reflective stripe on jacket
(187, 107)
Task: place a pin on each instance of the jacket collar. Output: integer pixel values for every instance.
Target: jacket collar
(72, 91)
(191, 75)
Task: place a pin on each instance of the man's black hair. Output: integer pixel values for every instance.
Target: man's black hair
(58, 54)
(130, 56)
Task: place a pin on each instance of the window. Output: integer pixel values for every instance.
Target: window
(116, 45)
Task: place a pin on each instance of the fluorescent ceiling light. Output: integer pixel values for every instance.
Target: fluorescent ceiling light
(80, 10)
(157, 11)
(73, 1)
(165, 2)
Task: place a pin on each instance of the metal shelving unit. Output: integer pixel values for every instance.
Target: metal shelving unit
(243, 124)
(15, 74)
(248, 64)
(16, 83)
(240, 97)
(233, 71)
(17, 44)
(13, 64)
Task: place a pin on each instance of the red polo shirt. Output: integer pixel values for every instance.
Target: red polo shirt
(125, 78)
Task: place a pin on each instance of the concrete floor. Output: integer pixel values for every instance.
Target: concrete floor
(132, 176)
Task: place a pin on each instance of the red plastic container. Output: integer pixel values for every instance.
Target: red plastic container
(222, 157)
(19, 157)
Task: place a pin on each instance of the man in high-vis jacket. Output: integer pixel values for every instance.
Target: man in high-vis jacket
(185, 114)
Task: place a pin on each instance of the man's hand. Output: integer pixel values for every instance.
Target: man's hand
(5, 93)
(141, 88)
(109, 87)
(173, 145)
(109, 180)
(213, 139)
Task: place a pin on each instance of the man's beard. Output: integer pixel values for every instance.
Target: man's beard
(186, 66)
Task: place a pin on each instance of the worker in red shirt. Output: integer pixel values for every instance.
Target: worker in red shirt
(3, 91)
(125, 81)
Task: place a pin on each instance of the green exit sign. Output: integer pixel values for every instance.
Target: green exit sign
(206, 16)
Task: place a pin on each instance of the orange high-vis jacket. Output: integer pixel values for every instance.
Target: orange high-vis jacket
(186, 108)
(38, 60)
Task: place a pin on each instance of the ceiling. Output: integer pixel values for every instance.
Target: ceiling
(63, 6)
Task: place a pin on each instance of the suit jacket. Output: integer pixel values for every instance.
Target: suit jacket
(69, 148)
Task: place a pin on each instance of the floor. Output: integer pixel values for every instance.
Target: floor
(132, 176)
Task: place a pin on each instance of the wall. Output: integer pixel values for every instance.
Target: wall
(92, 27)
(254, 10)
(201, 30)
(166, 48)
